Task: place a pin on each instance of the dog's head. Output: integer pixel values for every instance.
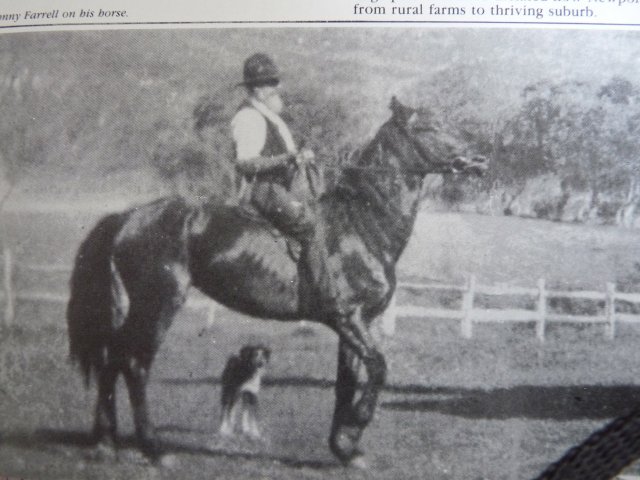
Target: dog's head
(256, 356)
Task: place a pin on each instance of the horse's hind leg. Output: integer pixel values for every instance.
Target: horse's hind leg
(136, 375)
(145, 332)
(105, 426)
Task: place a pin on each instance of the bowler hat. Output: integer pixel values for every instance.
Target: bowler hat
(259, 70)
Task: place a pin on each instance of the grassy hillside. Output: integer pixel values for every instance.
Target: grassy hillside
(87, 111)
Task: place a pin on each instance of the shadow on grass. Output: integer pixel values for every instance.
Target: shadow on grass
(306, 382)
(266, 382)
(44, 438)
(172, 428)
(560, 403)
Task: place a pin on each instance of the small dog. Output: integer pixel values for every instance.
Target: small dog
(241, 381)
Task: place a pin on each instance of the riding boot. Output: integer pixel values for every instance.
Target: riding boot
(315, 259)
(299, 220)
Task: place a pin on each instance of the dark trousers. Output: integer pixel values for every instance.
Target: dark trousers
(284, 210)
(295, 218)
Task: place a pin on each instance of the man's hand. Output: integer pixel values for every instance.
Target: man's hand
(304, 156)
(252, 166)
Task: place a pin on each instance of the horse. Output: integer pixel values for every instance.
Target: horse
(132, 273)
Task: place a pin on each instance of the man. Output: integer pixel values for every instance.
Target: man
(265, 150)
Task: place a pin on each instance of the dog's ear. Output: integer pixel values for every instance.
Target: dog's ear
(267, 354)
(246, 353)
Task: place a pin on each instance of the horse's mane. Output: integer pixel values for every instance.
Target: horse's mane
(366, 171)
(364, 192)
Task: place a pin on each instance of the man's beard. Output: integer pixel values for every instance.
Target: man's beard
(274, 103)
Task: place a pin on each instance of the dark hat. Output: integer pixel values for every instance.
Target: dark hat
(259, 70)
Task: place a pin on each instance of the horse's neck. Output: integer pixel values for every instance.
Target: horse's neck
(383, 203)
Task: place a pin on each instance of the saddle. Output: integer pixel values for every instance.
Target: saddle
(248, 211)
(306, 182)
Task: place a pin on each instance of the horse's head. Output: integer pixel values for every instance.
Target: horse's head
(437, 150)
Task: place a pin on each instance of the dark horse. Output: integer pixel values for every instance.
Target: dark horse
(133, 271)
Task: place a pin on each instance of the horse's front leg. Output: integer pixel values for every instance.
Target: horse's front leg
(345, 432)
(350, 420)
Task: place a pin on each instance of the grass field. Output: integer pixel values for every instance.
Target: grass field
(443, 247)
(97, 107)
(498, 406)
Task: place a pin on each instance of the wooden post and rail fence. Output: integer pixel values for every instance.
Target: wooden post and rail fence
(468, 315)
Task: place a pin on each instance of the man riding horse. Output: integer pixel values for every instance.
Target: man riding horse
(265, 152)
(133, 271)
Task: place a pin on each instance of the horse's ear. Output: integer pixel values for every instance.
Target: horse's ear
(394, 104)
(401, 113)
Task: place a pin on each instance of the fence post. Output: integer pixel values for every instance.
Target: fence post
(611, 310)
(389, 316)
(9, 298)
(467, 307)
(542, 310)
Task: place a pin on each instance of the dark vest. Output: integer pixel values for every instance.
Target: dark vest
(273, 145)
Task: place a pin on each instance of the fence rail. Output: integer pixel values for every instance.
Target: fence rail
(468, 315)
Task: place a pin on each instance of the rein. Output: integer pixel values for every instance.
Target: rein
(397, 172)
(420, 152)
(421, 172)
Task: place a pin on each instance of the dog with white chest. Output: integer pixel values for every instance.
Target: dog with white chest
(241, 381)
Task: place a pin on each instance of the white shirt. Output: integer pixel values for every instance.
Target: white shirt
(249, 130)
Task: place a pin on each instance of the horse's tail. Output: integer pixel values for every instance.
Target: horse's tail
(90, 309)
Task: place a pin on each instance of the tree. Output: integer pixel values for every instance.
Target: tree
(21, 106)
(621, 101)
(584, 133)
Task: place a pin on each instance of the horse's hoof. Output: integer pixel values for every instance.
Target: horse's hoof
(151, 450)
(358, 462)
(103, 452)
(344, 445)
(168, 461)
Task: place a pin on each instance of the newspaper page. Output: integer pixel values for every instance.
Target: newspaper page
(285, 239)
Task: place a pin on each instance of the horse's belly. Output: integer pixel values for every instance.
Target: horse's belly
(256, 277)
(260, 297)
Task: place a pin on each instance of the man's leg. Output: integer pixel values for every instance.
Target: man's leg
(294, 218)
